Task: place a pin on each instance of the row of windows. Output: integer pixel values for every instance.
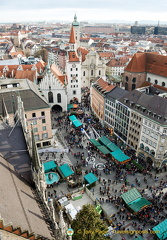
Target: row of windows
(36, 129)
(44, 136)
(133, 137)
(109, 120)
(34, 114)
(34, 122)
(150, 133)
(156, 82)
(150, 124)
(73, 69)
(74, 86)
(135, 116)
(51, 98)
(73, 81)
(92, 73)
(149, 142)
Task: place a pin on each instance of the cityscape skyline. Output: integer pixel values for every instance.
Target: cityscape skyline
(92, 10)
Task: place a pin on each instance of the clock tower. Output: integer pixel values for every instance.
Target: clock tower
(73, 71)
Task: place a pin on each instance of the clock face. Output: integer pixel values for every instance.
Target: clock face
(73, 65)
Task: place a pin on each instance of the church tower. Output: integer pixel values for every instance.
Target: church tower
(73, 71)
(76, 26)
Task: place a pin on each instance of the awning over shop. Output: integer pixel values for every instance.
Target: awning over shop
(76, 123)
(72, 118)
(69, 106)
(49, 166)
(131, 195)
(94, 142)
(134, 200)
(65, 170)
(120, 156)
(112, 147)
(139, 204)
(90, 178)
(104, 140)
(103, 149)
(161, 230)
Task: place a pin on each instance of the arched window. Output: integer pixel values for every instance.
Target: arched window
(50, 97)
(147, 149)
(133, 86)
(152, 152)
(99, 72)
(127, 79)
(149, 79)
(134, 80)
(142, 146)
(163, 84)
(91, 72)
(59, 98)
(156, 81)
(126, 86)
(84, 73)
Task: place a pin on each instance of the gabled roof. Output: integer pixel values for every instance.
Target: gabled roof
(73, 57)
(137, 64)
(105, 85)
(84, 52)
(57, 74)
(31, 75)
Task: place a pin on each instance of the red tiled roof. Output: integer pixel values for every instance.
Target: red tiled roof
(148, 62)
(31, 75)
(73, 57)
(57, 73)
(72, 36)
(104, 85)
(107, 55)
(84, 52)
(145, 84)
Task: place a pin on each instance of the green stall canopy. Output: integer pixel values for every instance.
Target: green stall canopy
(161, 230)
(90, 178)
(103, 149)
(49, 166)
(65, 170)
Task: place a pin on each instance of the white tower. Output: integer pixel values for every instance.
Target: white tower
(73, 71)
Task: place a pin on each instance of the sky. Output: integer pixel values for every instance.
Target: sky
(86, 10)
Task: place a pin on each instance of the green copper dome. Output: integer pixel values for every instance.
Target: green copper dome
(75, 23)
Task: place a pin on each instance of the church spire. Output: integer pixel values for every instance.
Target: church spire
(72, 36)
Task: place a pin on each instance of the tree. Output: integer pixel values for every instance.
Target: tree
(87, 225)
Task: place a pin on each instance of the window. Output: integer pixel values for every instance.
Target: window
(156, 81)
(71, 69)
(50, 97)
(126, 79)
(74, 92)
(163, 84)
(42, 113)
(99, 72)
(44, 135)
(25, 115)
(149, 79)
(34, 122)
(36, 137)
(59, 98)
(161, 148)
(35, 129)
(84, 73)
(43, 121)
(133, 86)
(134, 80)
(33, 114)
(44, 128)
(91, 72)
(76, 69)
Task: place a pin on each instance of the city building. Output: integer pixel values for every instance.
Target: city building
(36, 108)
(98, 91)
(150, 67)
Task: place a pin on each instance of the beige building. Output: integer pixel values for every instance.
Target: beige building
(36, 111)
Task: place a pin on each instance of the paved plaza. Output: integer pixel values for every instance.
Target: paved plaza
(115, 188)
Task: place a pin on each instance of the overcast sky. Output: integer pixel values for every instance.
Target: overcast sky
(86, 10)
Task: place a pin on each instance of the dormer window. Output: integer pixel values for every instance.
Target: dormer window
(125, 100)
